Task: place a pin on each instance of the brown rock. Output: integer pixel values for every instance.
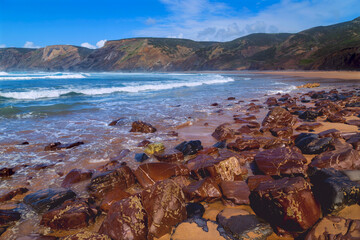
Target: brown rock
(283, 132)
(280, 161)
(170, 155)
(334, 133)
(235, 192)
(126, 219)
(143, 127)
(308, 126)
(353, 122)
(75, 176)
(223, 132)
(59, 146)
(339, 159)
(87, 236)
(287, 203)
(244, 143)
(149, 173)
(10, 195)
(254, 181)
(271, 101)
(6, 172)
(203, 190)
(112, 196)
(165, 205)
(336, 118)
(277, 118)
(144, 143)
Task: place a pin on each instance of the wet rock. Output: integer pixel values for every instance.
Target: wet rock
(221, 144)
(140, 157)
(101, 183)
(59, 146)
(353, 122)
(271, 101)
(244, 143)
(153, 148)
(333, 189)
(244, 130)
(355, 141)
(334, 133)
(144, 143)
(253, 124)
(340, 159)
(209, 151)
(244, 226)
(281, 161)
(235, 192)
(24, 143)
(283, 132)
(112, 196)
(70, 215)
(10, 195)
(6, 172)
(47, 199)
(277, 118)
(8, 217)
(354, 104)
(195, 210)
(310, 143)
(126, 219)
(117, 122)
(171, 155)
(309, 116)
(223, 132)
(254, 181)
(190, 147)
(75, 176)
(36, 236)
(332, 227)
(149, 173)
(204, 190)
(165, 205)
(123, 153)
(336, 118)
(308, 126)
(87, 236)
(287, 203)
(143, 127)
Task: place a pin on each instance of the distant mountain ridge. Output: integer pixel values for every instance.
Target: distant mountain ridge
(334, 47)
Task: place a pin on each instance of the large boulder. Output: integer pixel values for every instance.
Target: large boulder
(235, 192)
(310, 143)
(203, 190)
(277, 118)
(143, 127)
(111, 197)
(281, 161)
(126, 219)
(287, 203)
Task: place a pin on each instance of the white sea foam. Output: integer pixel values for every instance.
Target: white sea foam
(27, 77)
(3, 73)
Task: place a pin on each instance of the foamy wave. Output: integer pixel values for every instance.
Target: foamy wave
(3, 73)
(55, 93)
(282, 91)
(65, 76)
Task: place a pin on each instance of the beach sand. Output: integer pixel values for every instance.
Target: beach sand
(348, 75)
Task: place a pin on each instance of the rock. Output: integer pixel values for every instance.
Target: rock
(230, 98)
(308, 126)
(6, 172)
(235, 192)
(101, 183)
(171, 155)
(36, 236)
(153, 148)
(75, 176)
(189, 148)
(309, 85)
(333, 189)
(8, 217)
(70, 215)
(87, 236)
(354, 104)
(309, 116)
(277, 118)
(204, 190)
(254, 181)
(209, 151)
(182, 181)
(281, 161)
(47, 199)
(140, 157)
(252, 124)
(59, 146)
(195, 210)
(332, 227)
(353, 122)
(340, 159)
(310, 143)
(283, 132)
(10, 195)
(126, 219)
(355, 141)
(223, 132)
(123, 153)
(334, 133)
(271, 101)
(244, 225)
(336, 118)
(143, 143)
(143, 127)
(221, 144)
(165, 205)
(149, 173)
(287, 203)
(112, 196)
(244, 143)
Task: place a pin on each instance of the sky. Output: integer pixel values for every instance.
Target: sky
(90, 23)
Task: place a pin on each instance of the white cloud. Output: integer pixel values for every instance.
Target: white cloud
(210, 20)
(101, 43)
(2, 46)
(30, 45)
(88, 45)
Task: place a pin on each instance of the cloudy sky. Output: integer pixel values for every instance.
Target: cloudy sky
(89, 23)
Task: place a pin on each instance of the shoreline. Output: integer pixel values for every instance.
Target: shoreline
(345, 75)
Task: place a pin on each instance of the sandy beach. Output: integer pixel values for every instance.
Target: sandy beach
(348, 75)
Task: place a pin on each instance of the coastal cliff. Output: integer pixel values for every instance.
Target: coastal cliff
(334, 47)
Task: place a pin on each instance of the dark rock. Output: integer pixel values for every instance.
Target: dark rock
(149, 173)
(214, 104)
(340, 159)
(309, 116)
(308, 126)
(277, 118)
(304, 100)
(8, 217)
(47, 199)
(143, 127)
(244, 226)
(332, 227)
(221, 144)
(203, 190)
(271, 101)
(101, 183)
(195, 210)
(355, 141)
(75, 176)
(254, 181)
(116, 122)
(165, 205)
(59, 146)
(223, 132)
(42, 166)
(140, 157)
(231, 98)
(235, 192)
(333, 189)
(283, 132)
(281, 161)
(244, 143)
(170, 155)
(310, 143)
(86, 236)
(287, 203)
(6, 172)
(112, 196)
(354, 104)
(126, 219)
(24, 143)
(190, 147)
(353, 122)
(70, 215)
(10, 195)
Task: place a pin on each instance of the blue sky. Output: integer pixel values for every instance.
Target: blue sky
(37, 23)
